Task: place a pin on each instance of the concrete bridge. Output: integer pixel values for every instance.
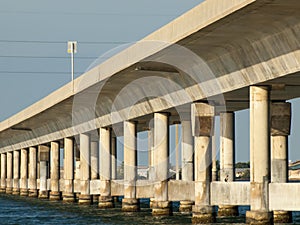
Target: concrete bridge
(218, 58)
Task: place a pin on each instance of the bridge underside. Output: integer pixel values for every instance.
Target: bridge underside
(216, 58)
(220, 57)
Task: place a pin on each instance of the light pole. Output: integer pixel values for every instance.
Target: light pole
(72, 49)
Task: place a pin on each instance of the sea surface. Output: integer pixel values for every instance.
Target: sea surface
(24, 210)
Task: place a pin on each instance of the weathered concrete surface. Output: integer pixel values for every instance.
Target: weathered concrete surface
(259, 155)
(214, 25)
(284, 196)
(85, 173)
(179, 190)
(68, 191)
(202, 130)
(187, 151)
(105, 199)
(280, 129)
(16, 173)
(161, 204)
(9, 172)
(144, 189)
(43, 159)
(130, 202)
(3, 173)
(117, 187)
(55, 194)
(231, 193)
(32, 182)
(23, 173)
(227, 157)
(259, 218)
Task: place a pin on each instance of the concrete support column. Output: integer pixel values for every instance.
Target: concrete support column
(32, 182)
(44, 156)
(9, 172)
(3, 173)
(95, 165)
(280, 129)
(24, 173)
(202, 130)
(68, 193)
(161, 205)
(85, 173)
(259, 156)
(105, 199)
(55, 172)
(16, 172)
(227, 157)
(130, 203)
(187, 151)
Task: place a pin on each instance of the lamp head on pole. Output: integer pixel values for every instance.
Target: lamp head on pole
(72, 46)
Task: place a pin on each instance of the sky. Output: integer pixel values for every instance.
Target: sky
(34, 59)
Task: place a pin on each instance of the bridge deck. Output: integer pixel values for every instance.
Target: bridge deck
(216, 49)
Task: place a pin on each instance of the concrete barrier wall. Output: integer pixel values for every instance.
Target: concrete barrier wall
(284, 196)
(94, 187)
(77, 188)
(179, 190)
(144, 189)
(117, 187)
(61, 185)
(231, 193)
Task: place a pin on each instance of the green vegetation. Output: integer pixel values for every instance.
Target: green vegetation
(242, 165)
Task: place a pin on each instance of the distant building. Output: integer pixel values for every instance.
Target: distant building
(143, 172)
(242, 173)
(294, 170)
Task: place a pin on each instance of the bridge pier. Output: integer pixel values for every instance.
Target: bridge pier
(187, 171)
(24, 172)
(85, 157)
(16, 172)
(202, 128)
(3, 173)
(227, 158)
(55, 172)
(9, 173)
(44, 173)
(161, 205)
(259, 156)
(105, 199)
(130, 203)
(32, 182)
(280, 129)
(94, 166)
(68, 193)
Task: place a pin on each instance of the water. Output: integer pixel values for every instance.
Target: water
(23, 211)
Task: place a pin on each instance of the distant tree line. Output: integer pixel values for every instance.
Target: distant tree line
(242, 165)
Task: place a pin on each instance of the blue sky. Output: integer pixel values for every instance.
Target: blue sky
(34, 61)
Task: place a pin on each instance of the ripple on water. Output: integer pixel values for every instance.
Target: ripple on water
(23, 211)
